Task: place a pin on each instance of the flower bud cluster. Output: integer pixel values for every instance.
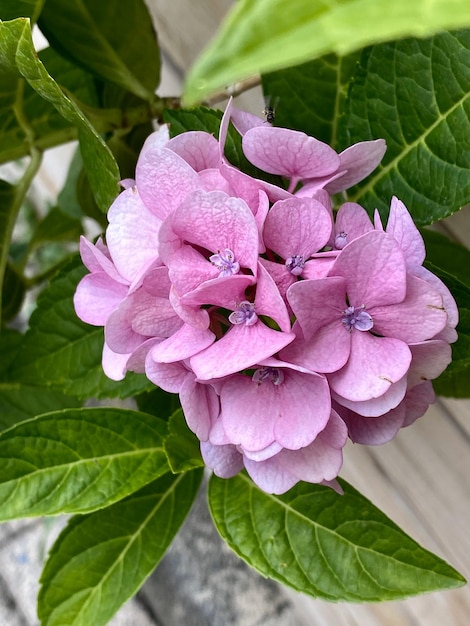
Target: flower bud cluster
(285, 327)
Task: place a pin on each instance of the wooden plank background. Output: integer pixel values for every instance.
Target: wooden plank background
(421, 479)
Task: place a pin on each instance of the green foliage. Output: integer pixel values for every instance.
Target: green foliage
(259, 36)
(114, 42)
(414, 94)
(100, 560)
(181, 445)
(62, 353)
(336, 547)
(78, 460)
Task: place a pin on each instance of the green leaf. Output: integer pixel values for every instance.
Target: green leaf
(56, 226)
(10, 9)
(20, 402)
(158, 402)
(13, 291)
(453, 381)
(416, 95)
(61, 352)
(182, 445)
(116, 44)
(310, 97)
(447, 255)
(258, 36)
(100, 560)
(17, 55)
(324, 544)
(78, 460)
(7, 217)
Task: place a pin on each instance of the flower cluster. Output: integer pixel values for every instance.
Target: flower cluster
(284, 326)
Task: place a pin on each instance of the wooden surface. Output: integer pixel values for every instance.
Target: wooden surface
(421, 479)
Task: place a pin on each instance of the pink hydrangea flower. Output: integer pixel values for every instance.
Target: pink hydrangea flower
(283, 327)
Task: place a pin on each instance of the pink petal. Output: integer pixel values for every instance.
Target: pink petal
(269, 302)
(241, 347)
(298, 226)
(417, 401)
(132, 234)
(373, 431)
(316, 303)
(96, 258)
(352, 220)
(421, 315)
(448, 334)
(401, 226)
(164, 179)
(198, 148)
(225, 461)
(374, 268)
(377, 406)
(280, 274)
(430, 359)
(96, 297)
(374, 364)
(359, 161)
(243, 121)
(223, 291)
(168, 376)
(216, 221)
(288, 152)
(183, 344)
(114, 365)
(248, 188)
(201, 406)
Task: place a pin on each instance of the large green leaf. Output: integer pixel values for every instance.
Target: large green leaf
(182, 445)
(337, 547)
(78, 460)
(63, 353)
(115, 42)
(20, 402)
(416, 95)
(264, 35)
(17, 56)
(7, 217)
(310, 97)
(100, 560)
(10, 9)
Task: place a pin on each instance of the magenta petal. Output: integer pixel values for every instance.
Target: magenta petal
(374, 268)
(298, 226)
(183, 344)
(198, 148)
(421, 315)
(402, 228)
(359, 161)
(96, 297)
(164, 179)
(288, 152)
(225, 461)
(374, 364)
(215, 222)
(316, 303)
(241, 347)
(132, 234)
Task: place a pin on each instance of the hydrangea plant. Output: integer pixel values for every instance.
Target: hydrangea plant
(262, 288)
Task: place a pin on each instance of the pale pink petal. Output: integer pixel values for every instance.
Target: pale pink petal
(280, 274)
(374, 364)
(216, 221)
(200, 406)
(248, 188)
(430, 359)
(421, 315)
(96, 258)
(243, 121)
(225, 461)
(262, 455)
(194, 316)
(198, 148)
(188, 269)
(260, 217)
(401, 226)
(96, 297)
(223, 291)
(319, 266)
(136, 362)
(448, 334)
(168, 376)
(241, 347)
(118, 332)
(359, 161)
(132, 234)
(156, 140)
(352, 221)
(114, 365)
(374, 268)
(298, 226)
(288, 152)
(164, 179)
(212, 180)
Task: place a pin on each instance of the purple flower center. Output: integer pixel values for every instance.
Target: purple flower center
(273, 374)
(341, 240)
(295, 264)
(225, 262)
(358, 318)
(244, 314)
